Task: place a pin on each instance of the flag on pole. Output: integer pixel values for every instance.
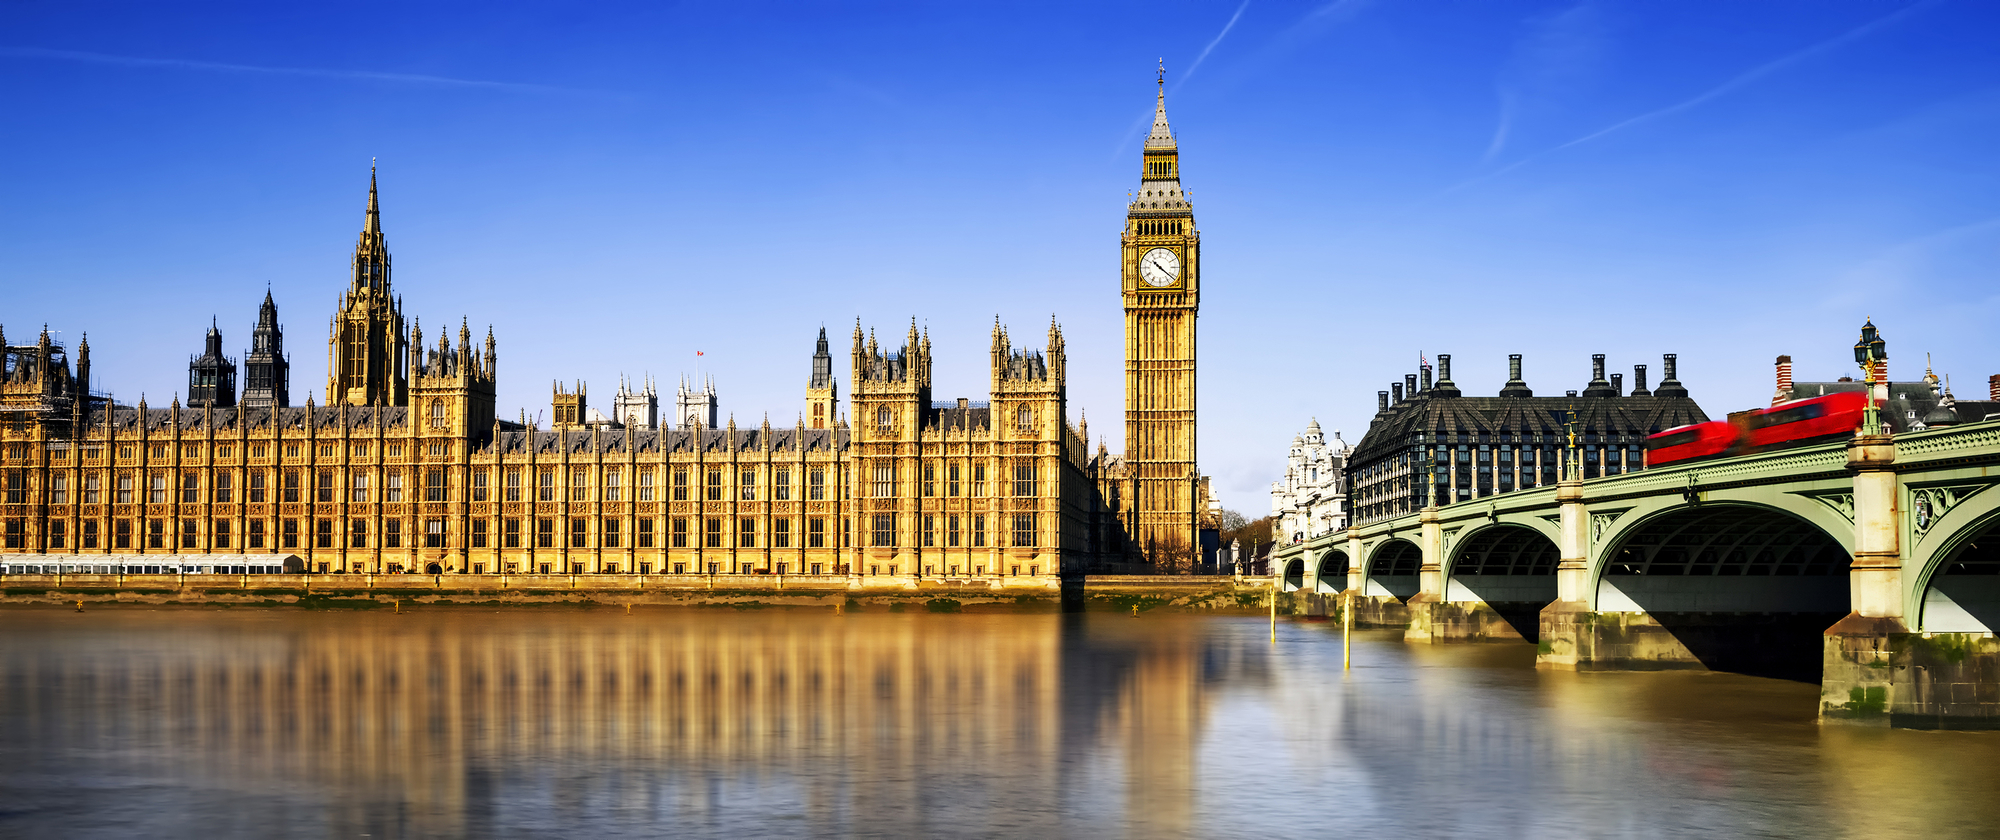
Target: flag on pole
(697, 352)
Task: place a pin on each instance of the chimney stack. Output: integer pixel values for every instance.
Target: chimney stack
(1993, 387)
(1670, 384)
(1381, 402)
(1784, 380)
(1515, 387)
(1410, 385)
(1618, 384)
(1599, 386)
(1444, 387)
(1426, 371)
(1639, 382)
(1396, 392)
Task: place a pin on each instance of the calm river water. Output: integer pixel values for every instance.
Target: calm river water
(718, 723)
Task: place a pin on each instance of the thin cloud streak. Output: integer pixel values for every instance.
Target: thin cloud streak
(1753, 74)
(310, 72)
(1211, 44)
(1132, 133)
(1742, 79)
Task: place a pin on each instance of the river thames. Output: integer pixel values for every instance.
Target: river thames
(452, 722)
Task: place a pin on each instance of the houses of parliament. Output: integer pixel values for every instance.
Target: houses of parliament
(404, 464)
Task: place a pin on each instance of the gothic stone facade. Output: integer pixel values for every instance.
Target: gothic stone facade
(407, 468)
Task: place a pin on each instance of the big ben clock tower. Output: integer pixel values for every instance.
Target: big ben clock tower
(1160, 260)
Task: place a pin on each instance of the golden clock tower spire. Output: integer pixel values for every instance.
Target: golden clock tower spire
(1160, 262)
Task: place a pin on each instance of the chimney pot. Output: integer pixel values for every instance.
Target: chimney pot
(1444, 367)
(1381, 401)
(1993, 387)
(1410, 385)
(1396, 391)
(1618, 384)
(1639, 381)
(1513, 367)
(1596, 367)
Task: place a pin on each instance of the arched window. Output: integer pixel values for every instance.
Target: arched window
(1025, 419)
(437, 414)
(883, 418)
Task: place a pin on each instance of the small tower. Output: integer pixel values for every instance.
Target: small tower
(696, 409)
(452, 388)
(636, 409)
(267, 373)
(212, 376)
(566, 407)
(891, 391)
(822, 392)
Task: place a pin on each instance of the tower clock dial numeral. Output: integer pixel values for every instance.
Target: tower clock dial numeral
(1159, 267)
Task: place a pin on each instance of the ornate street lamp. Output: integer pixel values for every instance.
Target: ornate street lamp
(1868, 353)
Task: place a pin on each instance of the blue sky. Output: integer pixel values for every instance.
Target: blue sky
(614, 186)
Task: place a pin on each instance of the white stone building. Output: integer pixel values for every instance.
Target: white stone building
(1312, 497)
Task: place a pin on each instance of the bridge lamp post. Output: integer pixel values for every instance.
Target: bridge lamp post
(1870, 350)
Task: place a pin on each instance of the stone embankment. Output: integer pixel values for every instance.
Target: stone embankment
(1095, 592)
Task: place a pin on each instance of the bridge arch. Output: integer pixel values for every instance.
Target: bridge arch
(1740, 586)
(1392, 569)
(1503, 563)
(1332, 576)
(1292, 575)
(1958, 587)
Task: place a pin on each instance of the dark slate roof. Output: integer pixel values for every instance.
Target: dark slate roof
(953, 417)
(1520, 415)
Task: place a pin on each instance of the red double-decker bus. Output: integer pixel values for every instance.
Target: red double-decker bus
(1789, 423)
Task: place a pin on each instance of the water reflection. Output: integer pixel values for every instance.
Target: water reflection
(695, 723)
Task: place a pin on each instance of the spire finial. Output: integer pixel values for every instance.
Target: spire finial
(1163, 77)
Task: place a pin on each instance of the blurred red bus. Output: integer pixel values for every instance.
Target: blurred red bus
(1808, 419)
(1682, 443)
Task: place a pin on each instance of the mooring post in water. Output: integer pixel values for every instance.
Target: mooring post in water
(1274, 616)
(399, 606)
(1347, 632)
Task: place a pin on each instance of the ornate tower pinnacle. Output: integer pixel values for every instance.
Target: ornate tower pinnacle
(367, 351)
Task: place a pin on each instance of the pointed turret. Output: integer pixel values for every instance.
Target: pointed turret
(366, 344)
(212, 376)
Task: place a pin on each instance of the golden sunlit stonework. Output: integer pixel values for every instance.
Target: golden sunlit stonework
(1161, 268)
(407, 467)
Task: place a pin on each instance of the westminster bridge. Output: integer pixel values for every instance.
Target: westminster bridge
(1871, 565)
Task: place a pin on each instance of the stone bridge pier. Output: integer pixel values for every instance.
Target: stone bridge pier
(1871, 567)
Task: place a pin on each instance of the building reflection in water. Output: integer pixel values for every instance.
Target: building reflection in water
(765, 724)
(483, 723)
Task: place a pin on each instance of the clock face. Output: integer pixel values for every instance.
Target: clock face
(1159, 267)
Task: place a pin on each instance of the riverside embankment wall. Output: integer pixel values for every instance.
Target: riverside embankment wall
(1120, 592)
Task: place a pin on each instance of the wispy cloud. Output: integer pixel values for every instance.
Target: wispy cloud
(1139, 125)
(1504, 126)
(1752, 75)
(309, 72)
(1895, 269)
(1733, 84)
(1211, 44)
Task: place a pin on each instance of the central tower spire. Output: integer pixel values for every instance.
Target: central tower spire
(367, 349)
